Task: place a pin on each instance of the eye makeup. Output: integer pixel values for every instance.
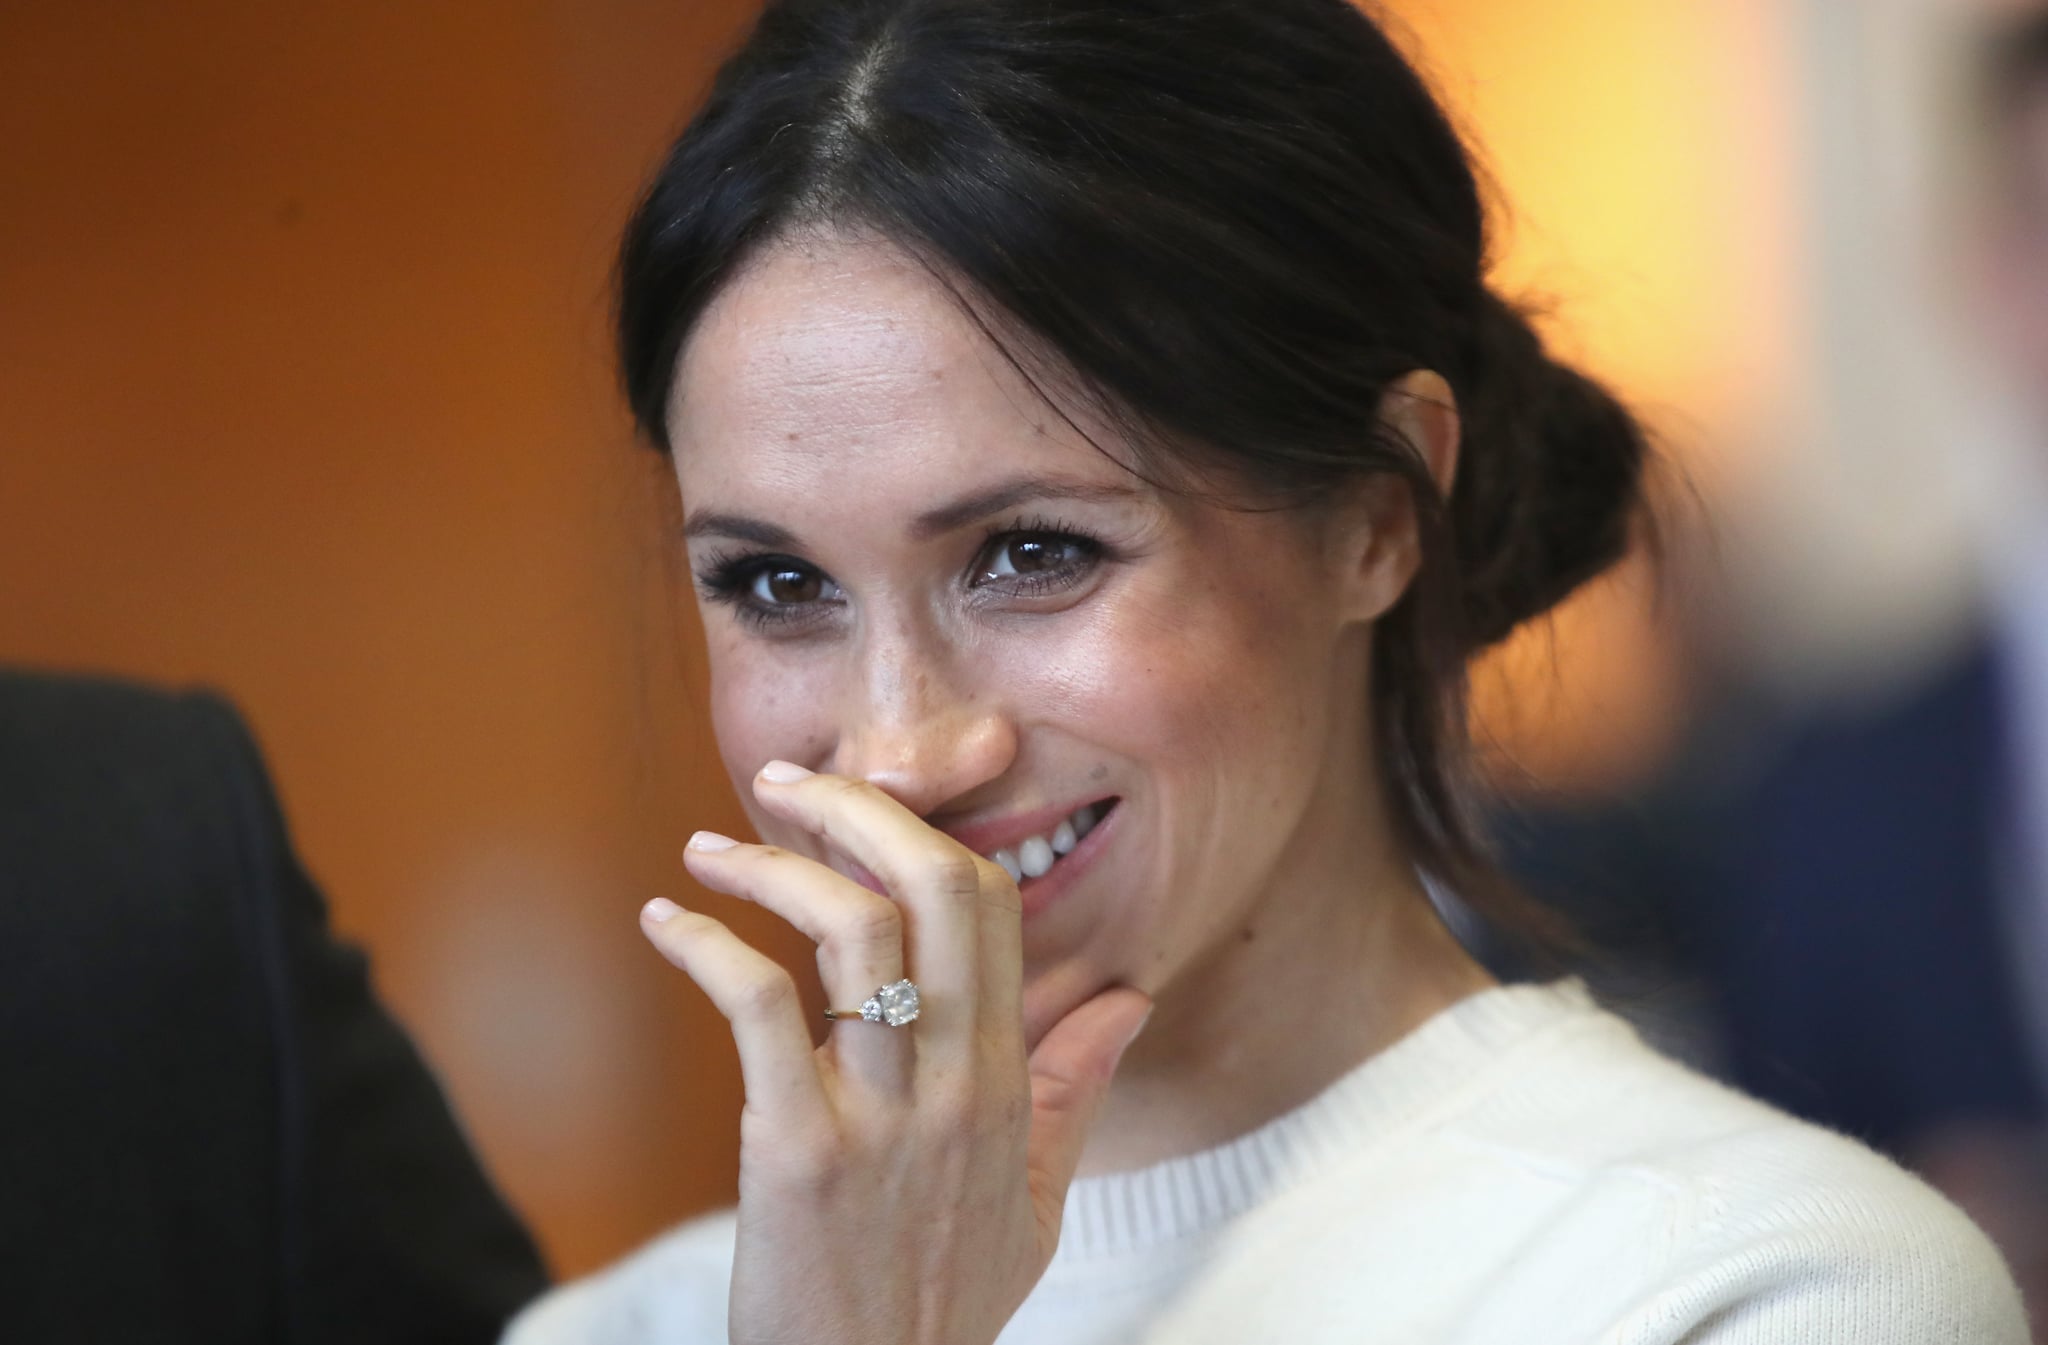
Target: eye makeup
(1028, 557)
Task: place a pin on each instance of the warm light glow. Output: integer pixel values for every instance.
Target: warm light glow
(1635, 150)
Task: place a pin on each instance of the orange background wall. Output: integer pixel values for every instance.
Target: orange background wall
(304, 394)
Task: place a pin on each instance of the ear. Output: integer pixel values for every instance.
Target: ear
(1379, 537)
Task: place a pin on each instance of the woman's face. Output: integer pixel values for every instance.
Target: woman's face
(913, 571)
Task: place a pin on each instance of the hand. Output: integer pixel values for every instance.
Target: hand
(899, 1185)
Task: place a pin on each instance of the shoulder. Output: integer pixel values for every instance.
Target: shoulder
(143, 814)
(125, 803)
(1761, 1226)
(50, 717)
(136, 906)
(673, 1290)
(75, 750)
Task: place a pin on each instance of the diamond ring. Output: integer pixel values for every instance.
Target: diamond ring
(893, 1006)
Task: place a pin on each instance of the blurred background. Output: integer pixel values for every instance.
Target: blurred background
(305, 395)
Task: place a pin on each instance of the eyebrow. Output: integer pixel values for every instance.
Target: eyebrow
(931, 523)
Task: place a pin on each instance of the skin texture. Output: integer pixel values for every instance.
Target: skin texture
(1204, 666)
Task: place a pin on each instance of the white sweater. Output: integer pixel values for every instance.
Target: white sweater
(1521, 1170)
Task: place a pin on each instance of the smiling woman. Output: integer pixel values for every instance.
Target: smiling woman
(920, 575)
(1102, 452)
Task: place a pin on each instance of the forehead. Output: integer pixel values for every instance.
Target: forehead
(847, 357)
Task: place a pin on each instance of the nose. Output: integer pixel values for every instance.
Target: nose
(917, 724)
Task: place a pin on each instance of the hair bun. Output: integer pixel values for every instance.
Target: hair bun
(1549, 483)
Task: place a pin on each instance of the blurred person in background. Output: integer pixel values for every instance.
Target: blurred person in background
(2013, 290)
(1862, 887)
(213, 1132)
(1102, 450)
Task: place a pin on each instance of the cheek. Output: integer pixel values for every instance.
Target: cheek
(1198, 680)
(764, 706)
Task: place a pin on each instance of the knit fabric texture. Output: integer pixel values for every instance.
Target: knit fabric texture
(1520, 1170)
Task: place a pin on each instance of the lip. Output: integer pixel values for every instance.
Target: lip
(987, 837)
(1040, 893)
(1013, 829)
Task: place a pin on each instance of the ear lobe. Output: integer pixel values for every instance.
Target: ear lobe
(1385, 547)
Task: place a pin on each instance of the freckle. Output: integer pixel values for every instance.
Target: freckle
(1099, 772)
(794, 436)
(1248, 935)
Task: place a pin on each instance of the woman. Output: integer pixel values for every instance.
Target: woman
(1101, 452)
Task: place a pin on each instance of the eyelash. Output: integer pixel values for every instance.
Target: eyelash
(729, 578)
(1037, 527)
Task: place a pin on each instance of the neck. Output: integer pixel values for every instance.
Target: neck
(1343, 957)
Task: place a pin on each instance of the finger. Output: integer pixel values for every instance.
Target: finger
(859, 936)
(944, 888)
(861, 821)
(1070, 1074)
(756, 997)
(1001, 933)
(859, 933)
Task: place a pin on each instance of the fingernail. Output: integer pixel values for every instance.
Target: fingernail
(660, 909)
(783, 772)
(711, 840)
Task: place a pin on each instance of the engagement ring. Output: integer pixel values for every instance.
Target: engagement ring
(892, 1006)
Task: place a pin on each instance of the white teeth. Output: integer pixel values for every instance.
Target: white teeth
(1034, 857)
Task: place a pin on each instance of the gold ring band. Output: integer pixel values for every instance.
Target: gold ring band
(893, 1005)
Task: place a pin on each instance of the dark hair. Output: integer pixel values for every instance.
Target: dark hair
(1231, 225)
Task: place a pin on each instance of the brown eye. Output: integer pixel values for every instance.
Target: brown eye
(784, 586)
(1031, 554)
(1022, 555)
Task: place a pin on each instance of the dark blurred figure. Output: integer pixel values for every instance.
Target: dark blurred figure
(1861, 893)
(211, 1130)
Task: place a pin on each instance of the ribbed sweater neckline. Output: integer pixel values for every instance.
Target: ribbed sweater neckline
(1129, 1213)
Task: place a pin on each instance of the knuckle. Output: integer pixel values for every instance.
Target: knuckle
(998, 889)
(953, 872)
(1057, 1091)
(763, 869)
(765, 995)
(845, 785)
(876, 923)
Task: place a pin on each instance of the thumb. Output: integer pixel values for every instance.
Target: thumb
(1070, 1074)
